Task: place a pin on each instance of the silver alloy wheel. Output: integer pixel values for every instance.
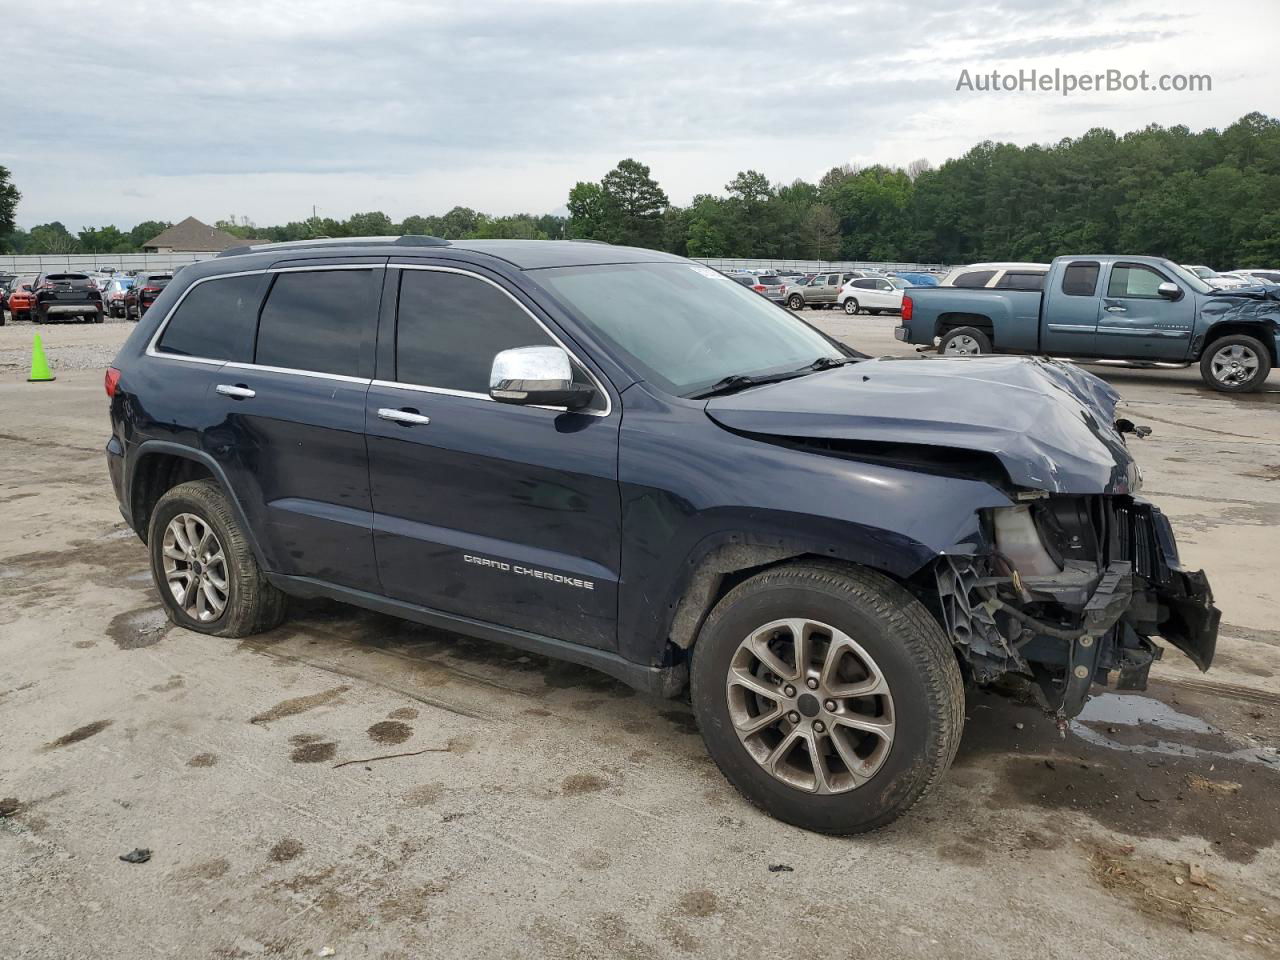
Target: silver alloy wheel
(1234, 364)
(810, 706)
(962, 346)
(195, 567)
(851, 306)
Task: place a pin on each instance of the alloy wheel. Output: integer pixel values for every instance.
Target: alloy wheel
(1234, 364)
(195, 567)
(962, 346)
(810, 706)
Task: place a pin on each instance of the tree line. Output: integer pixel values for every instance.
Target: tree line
(1208, 197)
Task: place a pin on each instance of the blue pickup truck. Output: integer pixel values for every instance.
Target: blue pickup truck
(1109, 307)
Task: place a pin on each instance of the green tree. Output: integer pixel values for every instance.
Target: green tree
(9, 197)
(588, 213)
(52, 238)
(144, 231)
(374, 224)
(634, 204)
(821, 232)
(107, 239)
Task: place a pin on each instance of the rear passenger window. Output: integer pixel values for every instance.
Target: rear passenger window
(450, 326)
(215, 320)
(1080, 279)
(1021, 281)
(974, 278)
(314, 320)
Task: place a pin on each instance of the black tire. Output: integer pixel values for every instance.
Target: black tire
(99, 317)
(851, 306)
(1232, 382)
(795, 301)
(39, 316)
(978, 338)
(874, 313)
(252, 603)
(908, 647)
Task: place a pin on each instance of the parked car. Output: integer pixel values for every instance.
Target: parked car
(146, 288)
(21, 298)
(613, 456)
(1213, 278)
(1000, 276)
(117, 288)
(1266, 276)
(918, 279)
(766, 285)
(821, 291)
(66, 295)
(1109, 307)
(875, 295)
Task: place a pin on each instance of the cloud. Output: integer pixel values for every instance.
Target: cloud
(157, 110)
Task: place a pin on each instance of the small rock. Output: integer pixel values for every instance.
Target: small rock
(781, 868)
(138, 855)
(1179, 881)
(327, 951)
(1017, 726)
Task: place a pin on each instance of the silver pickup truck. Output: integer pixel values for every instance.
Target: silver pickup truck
(1109, 307)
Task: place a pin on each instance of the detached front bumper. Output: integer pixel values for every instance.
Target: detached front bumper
(1093, 619)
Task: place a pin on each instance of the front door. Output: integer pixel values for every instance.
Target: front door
(501, 513)
(1136, 322)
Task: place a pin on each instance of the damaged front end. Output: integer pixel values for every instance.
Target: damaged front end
(1071, 589)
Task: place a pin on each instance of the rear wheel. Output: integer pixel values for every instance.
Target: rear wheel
(964, 342)
(1235, 364)
(827, 695)
(851, 306)
(204, 568)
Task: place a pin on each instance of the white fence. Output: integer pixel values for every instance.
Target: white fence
(164, 261)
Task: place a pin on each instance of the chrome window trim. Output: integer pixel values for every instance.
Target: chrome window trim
(294, 371)
(423, 388)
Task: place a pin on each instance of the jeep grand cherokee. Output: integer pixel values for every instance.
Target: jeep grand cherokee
(627, 460)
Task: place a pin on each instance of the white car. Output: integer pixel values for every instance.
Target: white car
(1001, 276)
(1259, 275)
(1213, 278)
(875, 295)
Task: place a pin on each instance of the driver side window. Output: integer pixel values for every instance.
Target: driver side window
(1133, 280)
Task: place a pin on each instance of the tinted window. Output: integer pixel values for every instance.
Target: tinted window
(313, 320)
(216, 320)
(1134, 280)
(1021, 281)
(745, 281)
(770, 281)
(833, 280)
(1080, 279)
(974, 278)
(864, 284)
(450, 326)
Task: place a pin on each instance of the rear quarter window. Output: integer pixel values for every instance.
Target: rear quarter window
(216, 319)
(1080, 279)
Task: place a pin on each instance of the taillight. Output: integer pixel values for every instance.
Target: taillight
(111, 381)
(907, 307)
(151, 289)
(759, 288)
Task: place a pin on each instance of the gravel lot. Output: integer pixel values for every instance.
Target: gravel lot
(561, 815)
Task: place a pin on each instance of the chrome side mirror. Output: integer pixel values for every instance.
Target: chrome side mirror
(1170, 291)
(537, 376)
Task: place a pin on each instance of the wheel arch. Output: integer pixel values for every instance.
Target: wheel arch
(1263, 331)
(159, 466)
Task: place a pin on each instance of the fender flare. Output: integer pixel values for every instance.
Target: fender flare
(148, 447)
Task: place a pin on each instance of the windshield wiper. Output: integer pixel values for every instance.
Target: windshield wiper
(829, 363)
(740, 381)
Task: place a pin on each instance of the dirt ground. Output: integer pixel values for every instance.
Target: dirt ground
(545, 810)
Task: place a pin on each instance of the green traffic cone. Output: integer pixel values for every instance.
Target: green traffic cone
(39, 365)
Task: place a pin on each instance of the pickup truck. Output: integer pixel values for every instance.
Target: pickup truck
(1109, 307)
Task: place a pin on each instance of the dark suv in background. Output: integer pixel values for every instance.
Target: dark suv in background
(64, 296)
(618, 457)
(146, 288)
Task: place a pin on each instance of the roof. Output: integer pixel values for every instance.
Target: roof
(195, 237)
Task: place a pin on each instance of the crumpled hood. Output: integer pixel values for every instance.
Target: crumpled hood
(1049, 423)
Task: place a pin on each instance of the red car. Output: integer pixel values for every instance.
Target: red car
(146, 287)
(21, 298)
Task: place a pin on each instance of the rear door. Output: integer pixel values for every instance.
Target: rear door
(500, 513)
(1134, 321)
(291, 436)
(1069, 311)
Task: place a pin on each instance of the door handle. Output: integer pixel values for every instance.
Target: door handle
(1116, 308)
(235, 390)
(403, 416)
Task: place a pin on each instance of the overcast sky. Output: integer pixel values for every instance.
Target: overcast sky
(124, 111)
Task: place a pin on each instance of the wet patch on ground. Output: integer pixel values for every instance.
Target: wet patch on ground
(296, 705)
(683, 720)
(203, 760)
(390, 732)
(698, 903)
(311, 748)
(1131, 763)
(403, 713)
(79, 734)
(143, 627)
(205, 870)
(580, 783)
(285, 850)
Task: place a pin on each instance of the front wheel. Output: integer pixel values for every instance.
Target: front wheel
(851, 306)
(1235, 364)
(795, 302)
(964, 342)
(204, 568)
(827, 695)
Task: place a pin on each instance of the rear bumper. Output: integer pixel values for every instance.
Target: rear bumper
(900, 333)
(71, 309)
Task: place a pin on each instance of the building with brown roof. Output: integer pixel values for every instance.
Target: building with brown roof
(192, 236)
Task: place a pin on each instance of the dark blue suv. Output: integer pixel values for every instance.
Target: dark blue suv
(625, 459)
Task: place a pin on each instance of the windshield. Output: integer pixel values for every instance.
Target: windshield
(685, 327)
(1191, 279)
(1204, 273)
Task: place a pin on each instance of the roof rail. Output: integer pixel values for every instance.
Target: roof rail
(603, 243)
(410, 240)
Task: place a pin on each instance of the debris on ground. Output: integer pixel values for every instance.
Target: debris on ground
(328, 952)
(1198, 782)
(137, 855)
(781, 868)
(9, 806)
